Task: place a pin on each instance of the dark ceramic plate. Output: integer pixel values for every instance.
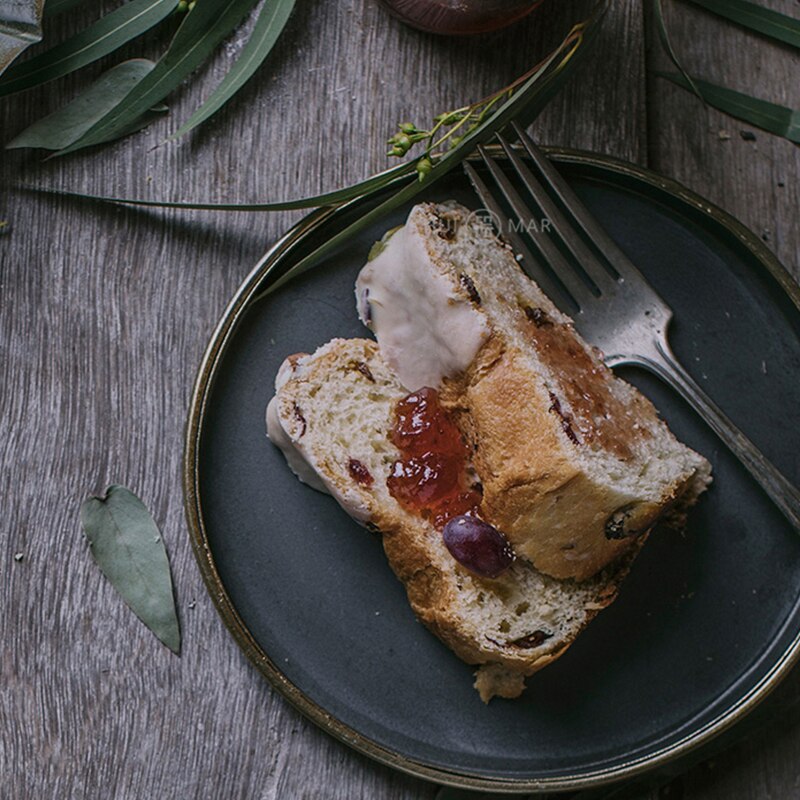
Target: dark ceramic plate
(706, 624)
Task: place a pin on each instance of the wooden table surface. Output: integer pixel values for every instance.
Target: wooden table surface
(105, 315)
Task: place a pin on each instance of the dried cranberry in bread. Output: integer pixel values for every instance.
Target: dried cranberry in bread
(331, 416)
(575, 463)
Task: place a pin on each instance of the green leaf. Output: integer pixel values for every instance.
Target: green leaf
(657, 11)
(54, 7)
(97, 40)
(63, 127)
(127, 546)
(756, 18)
(269, 25)
(529, 99)
(334, 198)
(204, 27)
(762, 114)
(20, 27)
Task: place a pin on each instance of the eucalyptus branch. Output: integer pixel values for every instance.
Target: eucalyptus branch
(464, 119)
(467, 127)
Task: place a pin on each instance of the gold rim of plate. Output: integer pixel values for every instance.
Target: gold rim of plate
(247, 292)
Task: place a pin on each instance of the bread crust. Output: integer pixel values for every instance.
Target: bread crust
(531, 480)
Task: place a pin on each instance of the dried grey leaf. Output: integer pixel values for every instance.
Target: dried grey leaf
(126, 544)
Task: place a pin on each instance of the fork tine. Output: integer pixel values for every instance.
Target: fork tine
(585, 258)
(577, 288)
(530, 264)
(616, 258)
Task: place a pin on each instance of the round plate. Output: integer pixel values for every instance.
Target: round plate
(706, 624)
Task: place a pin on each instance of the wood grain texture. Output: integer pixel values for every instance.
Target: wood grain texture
(755, 179)
(105, 315)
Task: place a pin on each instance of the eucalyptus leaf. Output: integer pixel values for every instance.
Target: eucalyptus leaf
(334, 198)
(54, 7)
(63, 127)
(528, 100)
(760, 113)
(756, 18)
(270, 23)
(20, 27)
(127, 546)
(204, 27)
(95, 41)
(657, 11)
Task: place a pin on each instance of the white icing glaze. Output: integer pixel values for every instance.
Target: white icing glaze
(294, 457)
(424, 329)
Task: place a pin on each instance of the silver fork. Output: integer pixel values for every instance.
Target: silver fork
(619, 313)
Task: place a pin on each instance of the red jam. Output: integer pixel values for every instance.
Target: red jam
(430, 478)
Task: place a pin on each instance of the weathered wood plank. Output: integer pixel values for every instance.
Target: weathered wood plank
(755, 179)
(105, 316)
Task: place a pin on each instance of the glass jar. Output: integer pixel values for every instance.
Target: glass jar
(459, 17)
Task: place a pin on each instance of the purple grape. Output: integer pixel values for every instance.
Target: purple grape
(478, 546)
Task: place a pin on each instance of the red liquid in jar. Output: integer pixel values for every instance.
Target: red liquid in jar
(430, 478)
(460, 17)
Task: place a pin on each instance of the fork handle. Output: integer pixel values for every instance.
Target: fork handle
(662, 362)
